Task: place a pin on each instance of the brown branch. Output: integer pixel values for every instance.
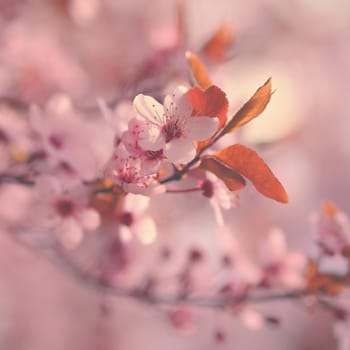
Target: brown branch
(19, 179)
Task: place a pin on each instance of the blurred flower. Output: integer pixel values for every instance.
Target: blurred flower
(183, 319)
(62, 207)
(251, 318)
(47, 67)
(15, 201)
(118, 118)
(136, 221)
(219, 196)
(67, 137)
(280, 266)
(332, 229)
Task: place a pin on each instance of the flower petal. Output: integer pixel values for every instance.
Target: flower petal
(149, 109)
(69, 233)
(89, 219)
(136, 203)
(178, 104)
(180, 151)
(200, 128)
(146, 230)
(151, 139)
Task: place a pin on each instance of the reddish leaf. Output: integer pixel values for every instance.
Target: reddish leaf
(248, 163)
(211, 103)
(217, 46)
(251, 109)
(198, 71)
(232, 180)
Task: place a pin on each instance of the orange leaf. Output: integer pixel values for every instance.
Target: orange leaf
(198, 71)
(217, 46)
(248, 163)
(251, 109)
(210, 103)
(232, 179)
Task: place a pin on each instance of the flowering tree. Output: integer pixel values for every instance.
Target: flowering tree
(86, 185)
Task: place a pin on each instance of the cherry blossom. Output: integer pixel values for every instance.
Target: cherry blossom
(280, 266)
(151, 160)
(240, 271)
(332, 229)
(61, 207)
(183, 320)
(136, 221)
(117, 118)
(15, 201)
(127, 172)
(171, 127)
(219, 196)
(64, 134)
(38, 75)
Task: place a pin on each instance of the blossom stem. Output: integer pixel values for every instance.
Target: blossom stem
(179, 173)
(220, 302)
(195, 189)
(20, 179)
(217, 302)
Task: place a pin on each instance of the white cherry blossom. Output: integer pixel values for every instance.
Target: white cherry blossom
(172, 127)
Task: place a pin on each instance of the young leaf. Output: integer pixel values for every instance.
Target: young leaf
(211, 103)
(248, 163)
(232, 179)
(217, 46)
(198, 71)
(251, 109)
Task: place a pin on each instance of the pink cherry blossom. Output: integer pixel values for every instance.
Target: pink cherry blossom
(171, 126)
(126, 171)
(38, 75)
(119, 117)
(332, 230)
(62, 207)
(251, 318)
(280, 266)
(219, 196)
(150, 160)
(136, 221)
(183, 320)
(15, 201)
(68, 137)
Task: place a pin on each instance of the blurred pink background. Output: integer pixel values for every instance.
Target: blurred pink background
(93, 48)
